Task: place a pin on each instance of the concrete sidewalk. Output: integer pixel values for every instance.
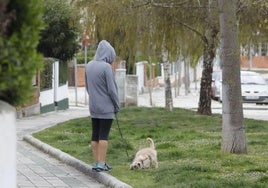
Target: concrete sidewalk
(45, 166)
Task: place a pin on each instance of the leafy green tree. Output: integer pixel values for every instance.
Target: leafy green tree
(121, 32)
(59, 37)
(155, 27)
(255, 31)
(191, 31)
(20, 25)
(186, 28)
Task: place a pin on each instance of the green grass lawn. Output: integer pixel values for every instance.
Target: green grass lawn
(188, 147)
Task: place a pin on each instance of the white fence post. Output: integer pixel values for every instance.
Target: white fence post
(131, 90)
(8, 142)
(120, 78)
(140, 73)
(56, 80)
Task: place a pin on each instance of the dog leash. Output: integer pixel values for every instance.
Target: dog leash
(124, 141)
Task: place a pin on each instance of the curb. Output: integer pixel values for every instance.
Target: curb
(101, 177)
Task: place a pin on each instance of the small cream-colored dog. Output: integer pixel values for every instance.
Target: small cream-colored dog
(145, 158)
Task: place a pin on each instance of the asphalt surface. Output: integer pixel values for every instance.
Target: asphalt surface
(180, 100)
(40, 165)
(190, 101)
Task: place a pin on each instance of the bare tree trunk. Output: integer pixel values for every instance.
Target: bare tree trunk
(184, 80)
(168, 93)
(150, 83)
(186, 75)
(179, 77)
(210, 40)
(176, 79)
(204, 105)
(233, 131)
(249, 56)
(195, 78)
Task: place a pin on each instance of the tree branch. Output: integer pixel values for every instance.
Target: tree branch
(183, 4)
(192, 29)
(145, 3)
(176, 4)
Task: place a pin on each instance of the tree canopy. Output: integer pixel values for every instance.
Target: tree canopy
(59, 37)
(133, 24)
(179, 28)
(134, 28)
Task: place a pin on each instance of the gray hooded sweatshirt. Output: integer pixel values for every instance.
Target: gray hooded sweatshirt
(100, 83)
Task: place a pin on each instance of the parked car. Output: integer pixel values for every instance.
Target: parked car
(216, 85)
(253, 85)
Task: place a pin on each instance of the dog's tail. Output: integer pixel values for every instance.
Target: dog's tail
(151, 143)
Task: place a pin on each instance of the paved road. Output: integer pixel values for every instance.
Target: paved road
(189, 101)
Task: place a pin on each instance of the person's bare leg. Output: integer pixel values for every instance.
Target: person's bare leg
(94, 148)
(102, 150)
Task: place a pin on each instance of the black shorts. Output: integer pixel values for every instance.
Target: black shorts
(100, 129)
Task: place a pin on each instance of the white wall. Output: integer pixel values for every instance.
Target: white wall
(56, 93)
(120, 78)
(46, 97)
(8, 169)
(140, 74)
(62, 92)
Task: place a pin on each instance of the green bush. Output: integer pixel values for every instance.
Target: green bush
(63, 72)
(46, 74)
(59, 38)
(81, 56)
(19, 60)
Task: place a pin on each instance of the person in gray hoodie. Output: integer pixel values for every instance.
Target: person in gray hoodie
(103, 101)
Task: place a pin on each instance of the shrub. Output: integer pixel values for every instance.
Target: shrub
(59, 38)
(46, 74)
(20, 24)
